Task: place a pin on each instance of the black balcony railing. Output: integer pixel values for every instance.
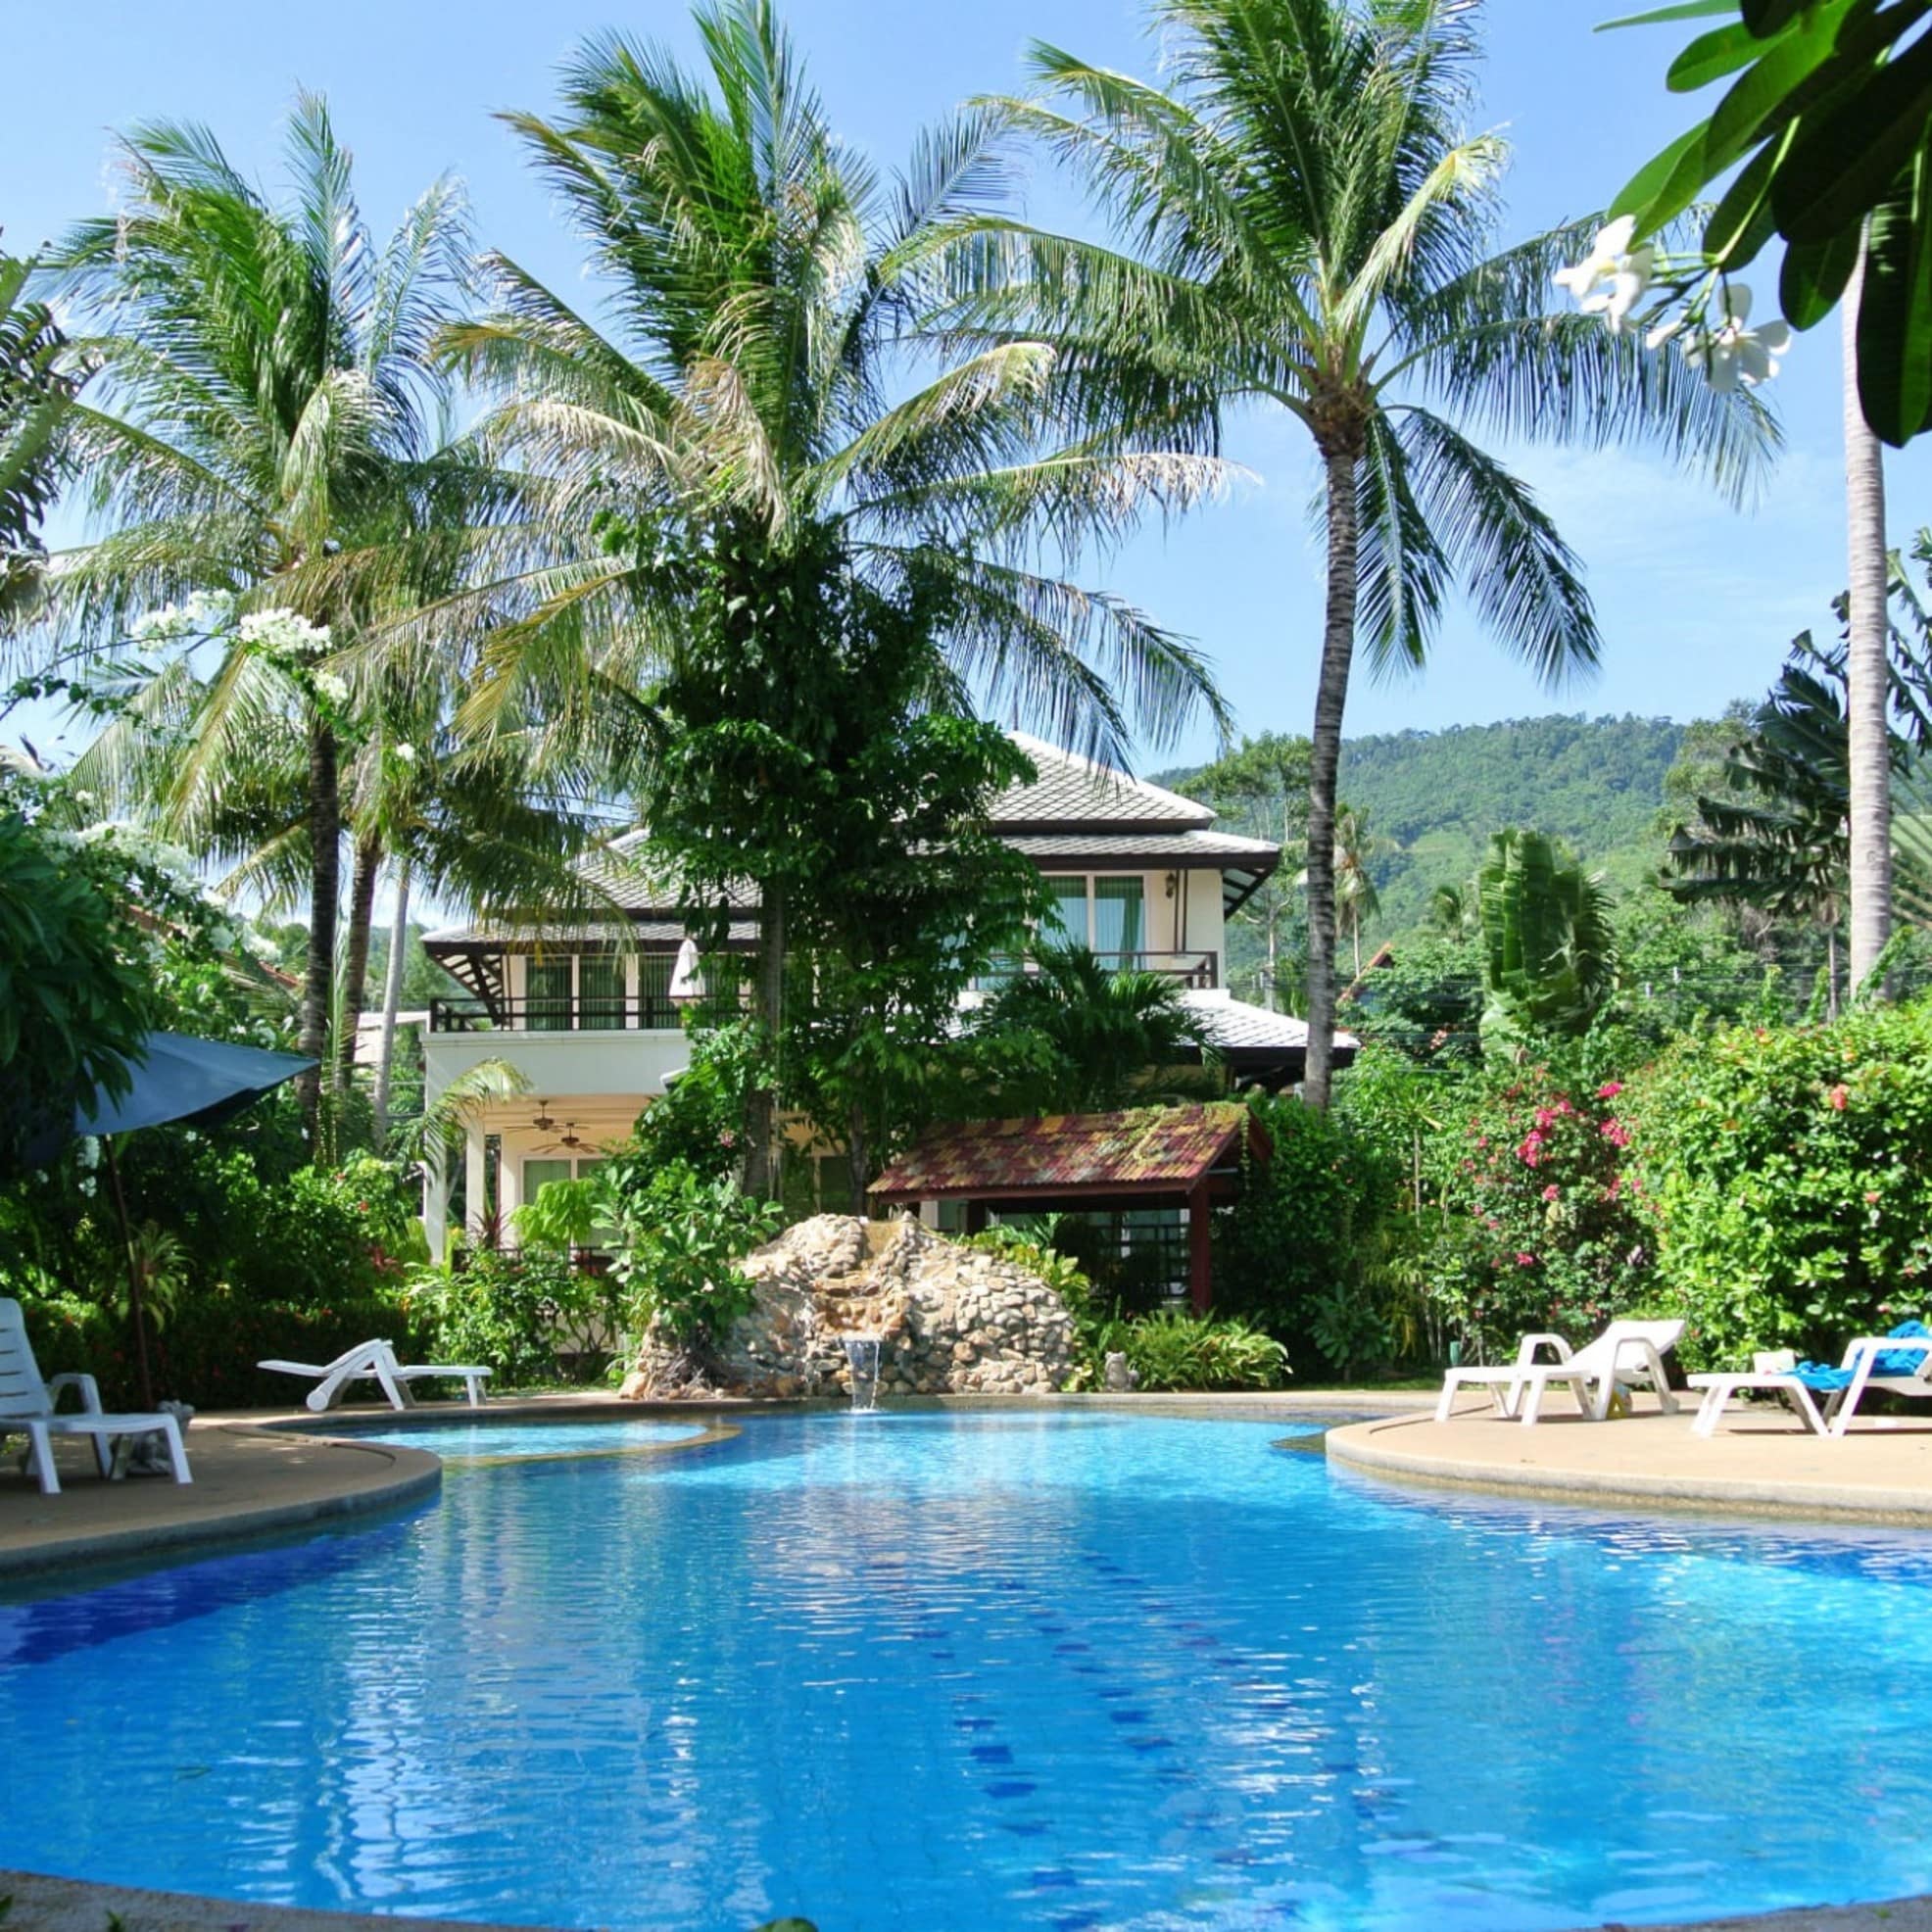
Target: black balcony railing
(1196, 971)
(585, 1015)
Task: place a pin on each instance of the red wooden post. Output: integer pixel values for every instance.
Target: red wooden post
(1200, 1285)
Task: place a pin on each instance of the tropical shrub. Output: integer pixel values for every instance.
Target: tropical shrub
(1540, 1228)
(1306, 1225)
(700, 1123)
(508, 1309)
(679, 1240)
(1786, 1181)
(74, 998)
(207, 1350)
(1175, 1350)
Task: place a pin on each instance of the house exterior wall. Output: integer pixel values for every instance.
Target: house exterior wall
(1204, 923)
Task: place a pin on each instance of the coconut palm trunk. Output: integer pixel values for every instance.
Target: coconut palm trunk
(1324, 763)
(1867, 674)
(324, 893)
(392, 1001)
(364, 872)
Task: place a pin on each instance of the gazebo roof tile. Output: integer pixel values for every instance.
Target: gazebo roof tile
(1146, 1150)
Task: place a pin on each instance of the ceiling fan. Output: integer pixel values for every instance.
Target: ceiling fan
(566, 1143)
(543, 1121)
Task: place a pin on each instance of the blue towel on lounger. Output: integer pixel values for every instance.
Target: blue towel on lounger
(1892, 1365)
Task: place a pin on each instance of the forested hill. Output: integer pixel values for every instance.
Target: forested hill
(1436, 796)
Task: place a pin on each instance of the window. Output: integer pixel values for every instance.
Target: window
(600, 991)
(546, 984)
(538, 1175)
(1107, 912)
(1066, 923)
(653, 989)
(1118, 915)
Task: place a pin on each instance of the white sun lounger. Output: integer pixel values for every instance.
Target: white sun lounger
(1771, 1373)
(28, 1408)
(375, 1361)
(1626, 1352)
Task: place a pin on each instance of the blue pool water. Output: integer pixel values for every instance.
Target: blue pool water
(992, 1671)
(467, 1442)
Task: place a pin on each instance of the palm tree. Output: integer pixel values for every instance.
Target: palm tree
(1078, 1038)
(266, 428)
(1869, 676)
(1779, 834)
(766, 417)
(1301, 223)
(1548, 953)
(1356, 851)
(34, 395)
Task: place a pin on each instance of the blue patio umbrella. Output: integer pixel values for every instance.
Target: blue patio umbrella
(196, 1082)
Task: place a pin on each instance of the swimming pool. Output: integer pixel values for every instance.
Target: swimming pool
(938, 1670)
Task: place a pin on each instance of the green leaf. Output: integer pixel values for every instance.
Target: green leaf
(1814, 276)
(1685, 10)
(1766, 17)
(1895, 311)
(1712, 56)
(1741, 223)
(1760, 97)
(1848, 151)
(1648, 183)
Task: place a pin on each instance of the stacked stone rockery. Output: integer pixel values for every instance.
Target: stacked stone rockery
(949, 1320)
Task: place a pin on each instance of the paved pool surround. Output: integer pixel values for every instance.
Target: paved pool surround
(277, 1472)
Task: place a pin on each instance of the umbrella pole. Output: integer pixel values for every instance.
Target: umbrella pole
(134, 1307)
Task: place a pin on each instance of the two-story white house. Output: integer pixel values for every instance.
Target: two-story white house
(585, 1015)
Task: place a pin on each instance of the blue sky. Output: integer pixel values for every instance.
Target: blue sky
(1696, 602)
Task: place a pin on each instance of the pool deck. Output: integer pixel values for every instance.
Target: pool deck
(1759, 1463)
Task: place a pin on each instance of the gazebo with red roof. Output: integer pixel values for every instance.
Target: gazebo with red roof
(1148, 1156)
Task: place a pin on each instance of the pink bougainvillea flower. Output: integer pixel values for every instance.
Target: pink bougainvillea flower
(1615, 1132)
(1551, 1191)
(1838, 1097)
(1610, 1089)
(1525, 1260)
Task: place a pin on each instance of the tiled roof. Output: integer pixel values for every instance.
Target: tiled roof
(668, 933)
(1131, 824)
(1074, 791)
(1208, 849)
(1148, 1149)
(1233, 1023)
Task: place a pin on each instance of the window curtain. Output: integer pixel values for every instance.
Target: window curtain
(600, 991)
(1119, 924)
(549, 996)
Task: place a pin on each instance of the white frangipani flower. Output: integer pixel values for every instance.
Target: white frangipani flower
(1611, 245)
(1610, 281)
(1731, 353)
(407, 752)
(332, 687)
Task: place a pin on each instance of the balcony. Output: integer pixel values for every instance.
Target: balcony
(1196, 971)
(650, 1012)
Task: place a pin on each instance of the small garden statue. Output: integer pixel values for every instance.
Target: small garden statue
(1119, 1376)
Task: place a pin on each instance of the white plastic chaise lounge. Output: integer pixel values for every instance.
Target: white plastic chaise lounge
(375, 1361)
(1899, 1363)
(1626, 1352)
(28, 1408)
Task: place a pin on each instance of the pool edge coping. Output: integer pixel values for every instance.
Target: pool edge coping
(1356, 1445)
(415, 1474)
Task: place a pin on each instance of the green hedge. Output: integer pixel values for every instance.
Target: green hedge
(1786, 1174)
(205, 1353)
